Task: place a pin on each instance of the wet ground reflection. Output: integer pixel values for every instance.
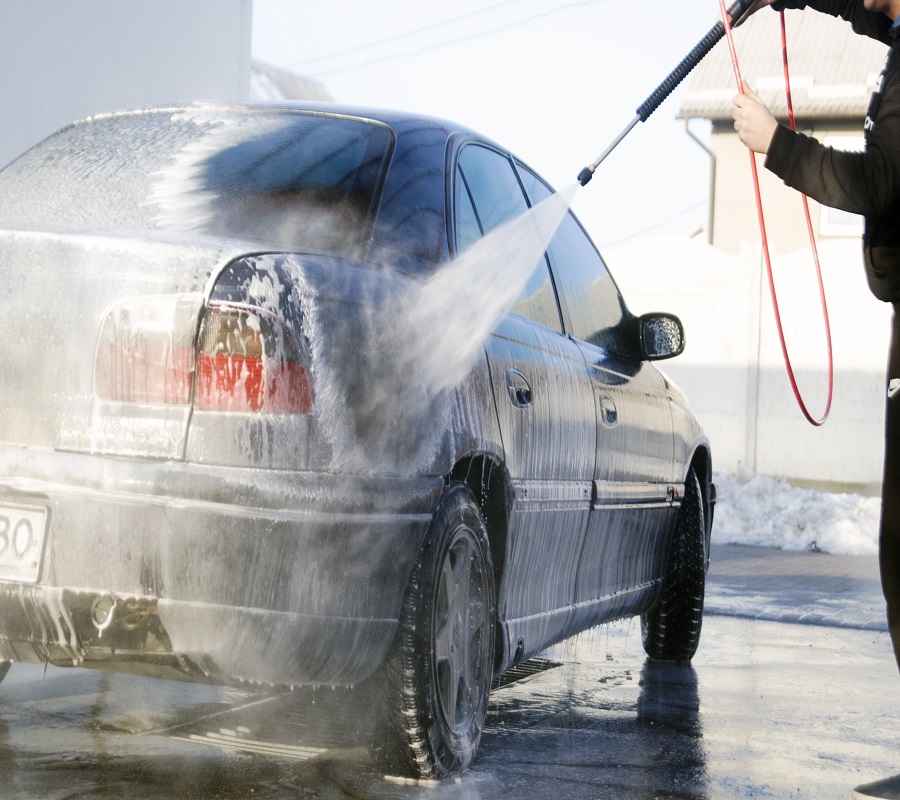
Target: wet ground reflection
(592, 730)
(593, 721)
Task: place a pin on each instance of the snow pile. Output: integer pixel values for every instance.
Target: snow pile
(757, 510)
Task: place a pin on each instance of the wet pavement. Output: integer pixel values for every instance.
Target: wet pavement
(793, 694)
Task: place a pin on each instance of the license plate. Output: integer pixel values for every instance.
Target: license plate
(23, 529)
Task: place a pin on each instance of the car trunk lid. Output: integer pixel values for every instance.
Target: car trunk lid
(75, 307)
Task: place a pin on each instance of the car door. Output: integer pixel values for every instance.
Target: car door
(544, 403)
(634, 490)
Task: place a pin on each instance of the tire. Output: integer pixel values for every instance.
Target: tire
(438, 675)
(671, 631)
(4, 668)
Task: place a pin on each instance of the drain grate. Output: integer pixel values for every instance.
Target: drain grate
(527, 669)
(242, 739)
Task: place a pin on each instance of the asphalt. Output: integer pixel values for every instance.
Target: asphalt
(793, 695)
(806, 588)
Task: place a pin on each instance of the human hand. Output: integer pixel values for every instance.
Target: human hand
(753, 121)
(753, 9)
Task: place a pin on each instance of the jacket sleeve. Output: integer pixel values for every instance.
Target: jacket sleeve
(867, 23)
(866, 183)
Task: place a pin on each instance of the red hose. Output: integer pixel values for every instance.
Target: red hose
(765, 243)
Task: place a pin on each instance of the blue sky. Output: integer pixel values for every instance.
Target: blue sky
(553, 80)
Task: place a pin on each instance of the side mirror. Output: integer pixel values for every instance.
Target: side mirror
(662, 336)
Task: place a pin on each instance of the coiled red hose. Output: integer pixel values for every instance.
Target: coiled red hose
(765, 243)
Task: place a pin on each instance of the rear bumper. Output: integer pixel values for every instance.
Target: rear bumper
(211, 573)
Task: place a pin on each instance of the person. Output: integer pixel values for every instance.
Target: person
(866, 183)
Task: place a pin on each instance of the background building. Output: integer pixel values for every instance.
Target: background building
(65, 60)
(833, 74)
(733, 370)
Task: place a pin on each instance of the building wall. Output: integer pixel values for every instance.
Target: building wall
(735, 216)
(733, 371)
(63, 60)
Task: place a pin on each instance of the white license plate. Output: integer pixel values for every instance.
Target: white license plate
(23, 530)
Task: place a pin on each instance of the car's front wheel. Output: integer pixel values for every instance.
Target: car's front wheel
(671, 631)
(438, 675)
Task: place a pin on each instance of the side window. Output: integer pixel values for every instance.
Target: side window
(597, 312)
(468, 231)
(487, 194)
(492, 184)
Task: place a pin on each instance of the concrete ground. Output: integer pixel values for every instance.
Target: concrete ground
(793, 694)
(809, 588)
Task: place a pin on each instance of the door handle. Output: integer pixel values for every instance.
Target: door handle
(609, 414)
(519, 390)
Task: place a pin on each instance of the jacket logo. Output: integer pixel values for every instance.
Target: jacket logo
(875, 102)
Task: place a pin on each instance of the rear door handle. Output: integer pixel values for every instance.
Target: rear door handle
(609, 414)
(519, 390)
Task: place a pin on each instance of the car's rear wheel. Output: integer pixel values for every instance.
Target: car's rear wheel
(438, 675)
(671, 631)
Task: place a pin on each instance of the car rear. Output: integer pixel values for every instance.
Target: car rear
(168, 497)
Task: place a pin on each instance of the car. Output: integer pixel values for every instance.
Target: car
(276, 411)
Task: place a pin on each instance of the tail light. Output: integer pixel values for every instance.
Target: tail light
(146, 350)
(242, 359)
(247, 360)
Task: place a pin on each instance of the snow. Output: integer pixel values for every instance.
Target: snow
(753, 509)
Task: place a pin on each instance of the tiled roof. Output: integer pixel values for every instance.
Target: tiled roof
(833, 70)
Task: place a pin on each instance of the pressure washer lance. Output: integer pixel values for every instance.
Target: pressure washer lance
(675, 77)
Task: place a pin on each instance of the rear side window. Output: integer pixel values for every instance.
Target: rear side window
(596, 310)
(287, 181)
(487, 193)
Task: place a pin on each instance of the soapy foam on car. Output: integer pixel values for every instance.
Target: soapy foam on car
(385, 376)
(383, 385)
(424, 343)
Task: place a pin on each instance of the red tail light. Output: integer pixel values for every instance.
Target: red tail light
(146, 350)
(243, 359)
(247, 360)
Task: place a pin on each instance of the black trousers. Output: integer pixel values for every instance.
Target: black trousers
(889, 539)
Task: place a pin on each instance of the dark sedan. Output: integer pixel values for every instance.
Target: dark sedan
(275, 409)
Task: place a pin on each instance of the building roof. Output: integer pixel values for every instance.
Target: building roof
(833, 70)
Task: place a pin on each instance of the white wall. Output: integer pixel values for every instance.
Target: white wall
(735, 215)
(62, 59)
(733, 371)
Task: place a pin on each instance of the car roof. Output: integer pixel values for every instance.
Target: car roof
(411, 230)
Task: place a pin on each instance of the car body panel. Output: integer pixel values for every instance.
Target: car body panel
(213, 544)
(237, 546)
(547, 529)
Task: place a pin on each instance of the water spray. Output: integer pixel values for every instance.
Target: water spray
(735, 14)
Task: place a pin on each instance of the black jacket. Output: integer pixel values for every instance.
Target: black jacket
(866, 183)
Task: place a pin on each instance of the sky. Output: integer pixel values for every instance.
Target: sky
(555, 81)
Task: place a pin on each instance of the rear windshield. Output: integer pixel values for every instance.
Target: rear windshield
(284, 180)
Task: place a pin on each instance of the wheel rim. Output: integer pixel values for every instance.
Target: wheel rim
(461, 632)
